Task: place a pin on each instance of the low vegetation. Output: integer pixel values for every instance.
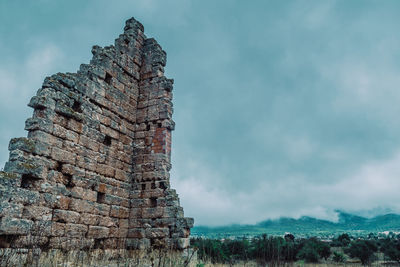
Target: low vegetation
(275, 250)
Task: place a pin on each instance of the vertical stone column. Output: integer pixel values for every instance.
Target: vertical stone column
(156, 216)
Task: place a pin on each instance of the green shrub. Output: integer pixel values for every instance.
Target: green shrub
(338, 257)
(363, 250)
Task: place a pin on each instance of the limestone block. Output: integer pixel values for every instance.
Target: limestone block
(82, 193)
(37, 213)
(59, 131)
(119, 212)
(29, 241)
(89, 143)
(57, 229)
(89, 219)
(75, 126)
(66, 216)
(64, 202)
(185, 222)
(75, 230)
(101, 209)
(123, 223)
(68, 112)
(42, 102)
(41, 228)
(157, 232)
(15, 226)
(121, 175)
(26, 166)
(98, 232)
(80, 206)
(136, 233)
(139, 223)
(150, 213)
(63, 156)
(24, 196)
(114, 200)
(107, 221)
(118, 232)
(180, 233)
(45, 138)
(13, 210)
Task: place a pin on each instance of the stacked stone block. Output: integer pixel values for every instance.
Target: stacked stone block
(94, 169)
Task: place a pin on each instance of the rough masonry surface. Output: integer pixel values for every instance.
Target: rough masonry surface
(94, 169)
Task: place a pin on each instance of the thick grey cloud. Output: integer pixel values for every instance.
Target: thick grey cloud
(283, 108)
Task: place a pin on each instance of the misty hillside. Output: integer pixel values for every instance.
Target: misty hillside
(307, 226)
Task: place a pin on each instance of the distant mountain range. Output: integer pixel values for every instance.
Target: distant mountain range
(307, 226)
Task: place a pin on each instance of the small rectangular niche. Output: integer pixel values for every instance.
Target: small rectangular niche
(77, 107)
(7, 240)
(153, 202)
(99, 243)
(101, 197)
(107, 140)
(68, 181)
(108, 78)
(59, 166)
(163, 185)
(28, 181)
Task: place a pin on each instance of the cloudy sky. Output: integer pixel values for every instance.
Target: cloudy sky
(283, 108)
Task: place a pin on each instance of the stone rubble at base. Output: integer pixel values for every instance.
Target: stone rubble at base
(94, 169)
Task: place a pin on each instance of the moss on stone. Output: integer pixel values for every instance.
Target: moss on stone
(28, 144)
(8, 175)
(28, 166)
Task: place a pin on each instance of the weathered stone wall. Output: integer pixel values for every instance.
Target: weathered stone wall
(94, 169)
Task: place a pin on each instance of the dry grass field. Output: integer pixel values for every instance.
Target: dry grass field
(302, 264)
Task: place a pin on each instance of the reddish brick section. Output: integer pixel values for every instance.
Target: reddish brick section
(94, 169)
(168, 143)
(162, 141)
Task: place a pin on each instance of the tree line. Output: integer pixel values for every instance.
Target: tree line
(274, 250)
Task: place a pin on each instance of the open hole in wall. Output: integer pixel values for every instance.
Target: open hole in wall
(107, 140)
(157, 243)
(153, 185)
(28, 181)
(68, 181)
(163, 185)
(153, 202)
(101, 197)
(159, 125)
(61, 221)
(39, 108)
(77, 107)
(108, 78)
(98, 243)
(59, 167)
(143, 186)
(7, 240)
(45, 246)
(148, 127)
(170, 231)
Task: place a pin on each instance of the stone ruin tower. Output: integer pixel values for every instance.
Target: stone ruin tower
(94, 169)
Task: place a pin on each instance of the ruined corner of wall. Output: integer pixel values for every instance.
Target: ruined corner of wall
(93, 171)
